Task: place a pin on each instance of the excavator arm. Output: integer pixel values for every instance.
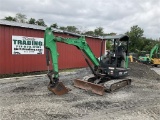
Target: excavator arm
(50, 43)
(155, 60)
(154, 49)
(80, 43)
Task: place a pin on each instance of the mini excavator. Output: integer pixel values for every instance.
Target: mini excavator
(153, 58)
(109, 72)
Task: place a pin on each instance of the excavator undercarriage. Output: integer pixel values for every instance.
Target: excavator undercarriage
(101, 88)
(108, 74)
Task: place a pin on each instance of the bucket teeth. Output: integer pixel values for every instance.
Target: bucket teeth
(58, 89)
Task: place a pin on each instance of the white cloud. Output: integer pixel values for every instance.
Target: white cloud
(113, 15)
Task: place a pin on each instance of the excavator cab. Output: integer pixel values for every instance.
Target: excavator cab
(115, 65)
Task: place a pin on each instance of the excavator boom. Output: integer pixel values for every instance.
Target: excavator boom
(104, 69)
(50, 43)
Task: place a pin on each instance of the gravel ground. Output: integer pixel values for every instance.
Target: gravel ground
(27, 98)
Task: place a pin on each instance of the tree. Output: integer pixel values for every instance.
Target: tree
(107, 34)
(63, 28)
(9, 18)
(41, 22)
(98, 31)
(72, 29)
(90, 33)
(54, 25)
(108, 45)
(32, 21)
(135, 35)
(20, 18)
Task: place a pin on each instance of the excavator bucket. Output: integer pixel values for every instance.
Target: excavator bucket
(88, 86)
(58, 89)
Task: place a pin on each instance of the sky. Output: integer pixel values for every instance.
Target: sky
(116, 16)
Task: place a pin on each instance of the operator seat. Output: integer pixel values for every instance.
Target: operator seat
(121, 54)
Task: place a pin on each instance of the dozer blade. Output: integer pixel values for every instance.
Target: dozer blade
(58, 89)
(113, 85)
(88, 86)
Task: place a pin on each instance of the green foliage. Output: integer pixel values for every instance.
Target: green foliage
(41, 22)
(98, 31)
(108, 45)
(54, 25)
(139, 43)
(70, 29)
(63, 28)
(32, 21)
(20, 18)
(9, 18)
(108, 34)
(90, 33)
(23, 19)
(135, 35)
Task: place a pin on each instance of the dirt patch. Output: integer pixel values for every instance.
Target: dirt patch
(58, 116)
(94, 105)
(73, 98)
(140, 70)
(23, 89)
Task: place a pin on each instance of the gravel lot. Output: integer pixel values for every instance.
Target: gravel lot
(27, 98)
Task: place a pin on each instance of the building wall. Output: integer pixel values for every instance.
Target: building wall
(69, 56)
